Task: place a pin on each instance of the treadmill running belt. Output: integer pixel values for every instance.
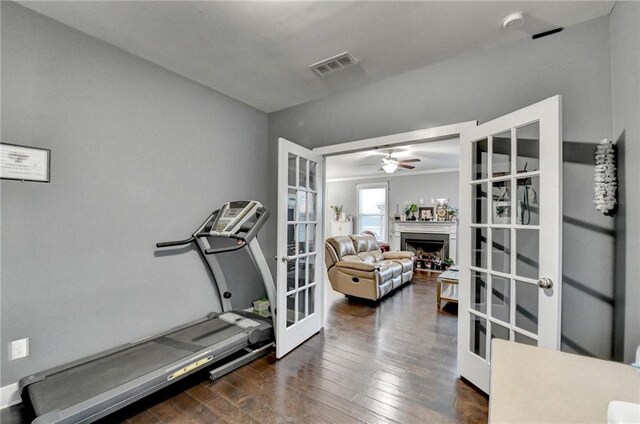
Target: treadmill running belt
(74, 385)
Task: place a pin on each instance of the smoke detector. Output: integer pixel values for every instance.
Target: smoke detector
(334, 63)
(513, 21)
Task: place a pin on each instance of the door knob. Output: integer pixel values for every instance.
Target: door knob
(545, 283)
(285, 259)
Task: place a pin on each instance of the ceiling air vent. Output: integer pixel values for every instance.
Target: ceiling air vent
(334, 63)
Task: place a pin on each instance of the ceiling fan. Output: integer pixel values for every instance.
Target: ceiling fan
(389, 164)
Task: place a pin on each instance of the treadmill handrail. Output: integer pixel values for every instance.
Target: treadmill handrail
(216, 250)
(175, 243)
(262, 218)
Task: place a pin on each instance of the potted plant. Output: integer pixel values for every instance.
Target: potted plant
(453, 214)
(338, 211)
(447, 263)
(410, 209)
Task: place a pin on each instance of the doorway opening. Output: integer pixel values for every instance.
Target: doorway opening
(424, 173)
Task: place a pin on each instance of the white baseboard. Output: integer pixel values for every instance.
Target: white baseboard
(9, 396)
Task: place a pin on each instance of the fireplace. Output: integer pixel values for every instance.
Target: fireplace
(424, 243)
(439, 238)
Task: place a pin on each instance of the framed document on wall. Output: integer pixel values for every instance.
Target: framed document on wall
(24, 163)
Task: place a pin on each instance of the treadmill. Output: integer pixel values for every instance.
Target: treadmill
(88, 389)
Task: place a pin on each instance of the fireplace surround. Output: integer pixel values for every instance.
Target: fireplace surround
(437, 232)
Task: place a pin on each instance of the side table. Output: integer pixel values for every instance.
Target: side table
(447, 287)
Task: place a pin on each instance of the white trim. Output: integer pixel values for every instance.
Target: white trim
(427, 134)
(9, 396)
(394, 175)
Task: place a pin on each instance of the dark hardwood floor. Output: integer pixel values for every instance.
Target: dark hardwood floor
(394, 362)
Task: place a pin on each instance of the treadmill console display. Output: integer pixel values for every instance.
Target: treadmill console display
(231, 217)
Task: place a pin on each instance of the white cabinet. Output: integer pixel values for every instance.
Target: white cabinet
(341, 228)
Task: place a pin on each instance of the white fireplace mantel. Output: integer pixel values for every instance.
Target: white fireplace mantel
(426, 227)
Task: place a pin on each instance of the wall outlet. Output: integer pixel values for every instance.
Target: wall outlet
(19, 349)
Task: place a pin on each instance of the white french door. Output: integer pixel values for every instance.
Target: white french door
(510, 235)
(300, 246)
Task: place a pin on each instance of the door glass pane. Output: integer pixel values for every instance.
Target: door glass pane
(501, 198)
(521, 338)
(311, 299)
(478, 336)
(312, 237)
(291, 205)
(498, 331)
(302, 272)
(500, 304)
(527, 306)
(302, 305)
(528, 148)
(302, 205)
(527, 253)
(479, 160)
(311, 208)
(479, 247)
(479, 203)
(291, 239)
(312, 175)
(292, 171)
(478, 291)
(302, 179)
(527, 201)
(501, 156)
(311, 265)
(291, 275)
(501, 250)
(291, 309)
(302, 238)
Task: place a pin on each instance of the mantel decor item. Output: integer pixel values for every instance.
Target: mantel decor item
(24, 163)
(453, 214)
(425, 214)
(605, 178)
(410, 210)
(337, 210)
(442, 209)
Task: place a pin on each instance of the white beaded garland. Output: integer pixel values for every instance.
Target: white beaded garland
(606, 184)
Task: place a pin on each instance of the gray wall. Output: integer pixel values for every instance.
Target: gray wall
(401, 188)
(483, 85)
(139, 155)
(625, 76)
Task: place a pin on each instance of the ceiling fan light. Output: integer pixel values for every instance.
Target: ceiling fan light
(390, 167)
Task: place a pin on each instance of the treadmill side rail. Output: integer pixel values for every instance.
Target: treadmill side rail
(34, 378)
(237, 363)
(121, 396)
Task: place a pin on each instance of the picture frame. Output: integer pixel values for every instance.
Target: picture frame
(442, 210)
(425, 214)
(25, 163)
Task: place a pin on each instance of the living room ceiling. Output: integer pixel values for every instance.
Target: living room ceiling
(435, 156)
(259, 52)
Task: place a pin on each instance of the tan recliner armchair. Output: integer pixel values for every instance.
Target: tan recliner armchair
(357, 267)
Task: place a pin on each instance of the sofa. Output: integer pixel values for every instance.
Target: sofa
(357, 267)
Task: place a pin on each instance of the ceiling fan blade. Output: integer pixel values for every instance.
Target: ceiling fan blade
(402, 165)
(369, 164)
(409, 160)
